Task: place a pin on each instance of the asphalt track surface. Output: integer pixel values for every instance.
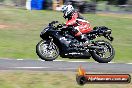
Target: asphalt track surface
(38, 65)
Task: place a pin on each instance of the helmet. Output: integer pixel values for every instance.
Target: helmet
(67, 10)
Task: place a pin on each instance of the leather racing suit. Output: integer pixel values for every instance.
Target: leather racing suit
(80, 26)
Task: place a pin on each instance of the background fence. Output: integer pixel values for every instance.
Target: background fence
(101, 6)
(19, 3)
(104, 6)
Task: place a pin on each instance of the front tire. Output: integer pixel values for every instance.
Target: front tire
(47, 50)
(99, 56)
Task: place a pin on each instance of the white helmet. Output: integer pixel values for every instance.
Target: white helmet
(67, 9)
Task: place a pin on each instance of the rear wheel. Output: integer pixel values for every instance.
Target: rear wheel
(104, 55)
(47, 50)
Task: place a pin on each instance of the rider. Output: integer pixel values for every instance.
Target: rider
(79, 24)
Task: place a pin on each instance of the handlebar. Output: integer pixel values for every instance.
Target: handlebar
(52, 23)
(58, 27)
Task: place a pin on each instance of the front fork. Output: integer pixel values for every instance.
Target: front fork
(50, 42)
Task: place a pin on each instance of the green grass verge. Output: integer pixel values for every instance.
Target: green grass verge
(32, 79)
(19, 38)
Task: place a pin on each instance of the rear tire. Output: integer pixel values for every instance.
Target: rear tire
(102, 59)
(45, 49)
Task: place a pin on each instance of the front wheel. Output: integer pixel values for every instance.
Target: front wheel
(104, 55)
(47, 50)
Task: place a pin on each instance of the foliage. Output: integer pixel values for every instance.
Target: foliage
(129, 2)
(1, 0)
(117, 2)
(14, 2)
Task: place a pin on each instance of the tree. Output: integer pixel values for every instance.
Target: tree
(129, 2)
(19, 2)
(117, 2)
(1, 0)
(122, 2)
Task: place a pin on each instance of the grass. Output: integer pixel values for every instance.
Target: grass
(32, 79)
(102, 6)
(19, 38)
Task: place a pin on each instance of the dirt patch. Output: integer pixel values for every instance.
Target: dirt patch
(3, 26)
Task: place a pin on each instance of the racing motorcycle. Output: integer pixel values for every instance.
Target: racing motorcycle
(58, 41)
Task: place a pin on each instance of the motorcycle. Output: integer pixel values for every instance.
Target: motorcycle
(58, 41)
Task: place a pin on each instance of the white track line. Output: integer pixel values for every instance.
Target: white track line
(20, 59)
(60, 60)
(111, 62)
(83, 61)
(43, 68)
(128, 63)
(30, 67)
